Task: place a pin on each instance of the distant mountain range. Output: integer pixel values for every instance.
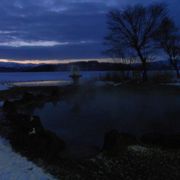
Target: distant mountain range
(83, 66)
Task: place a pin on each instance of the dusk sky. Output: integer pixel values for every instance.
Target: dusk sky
(59, 29)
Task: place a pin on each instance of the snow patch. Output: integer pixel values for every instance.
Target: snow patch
(13, 166)
(137, 148)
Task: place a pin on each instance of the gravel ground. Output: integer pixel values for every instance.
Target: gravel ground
(137, 163)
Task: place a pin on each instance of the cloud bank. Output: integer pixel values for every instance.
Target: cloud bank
(58, 28)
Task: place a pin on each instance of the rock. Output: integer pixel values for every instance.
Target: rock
(46, 145)
(25, 123)
(35, 123)
(115, 142)
(162, 140)
(53, 145)
(28, 136)
(21, 122)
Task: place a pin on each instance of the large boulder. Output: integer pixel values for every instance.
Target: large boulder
(47, 145)
(115, 142)
(24, 122)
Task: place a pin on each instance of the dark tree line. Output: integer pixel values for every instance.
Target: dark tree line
(139, 31)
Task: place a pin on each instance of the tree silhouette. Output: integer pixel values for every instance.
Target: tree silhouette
(169, 40)
(131, 32)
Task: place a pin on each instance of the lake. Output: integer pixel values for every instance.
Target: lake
(10, 79)
(45, 76)
(53, 76)
(83, 117)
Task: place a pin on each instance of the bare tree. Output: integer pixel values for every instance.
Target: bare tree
(131, 31)
(168, 38)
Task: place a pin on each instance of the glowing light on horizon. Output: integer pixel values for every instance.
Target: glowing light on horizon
(62, 61)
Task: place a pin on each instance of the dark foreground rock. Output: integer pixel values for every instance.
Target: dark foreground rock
(162, 140)
(115, 142)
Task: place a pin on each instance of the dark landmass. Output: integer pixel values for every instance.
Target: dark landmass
(83, 66)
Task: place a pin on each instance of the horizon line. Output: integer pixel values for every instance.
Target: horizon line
(62, 61)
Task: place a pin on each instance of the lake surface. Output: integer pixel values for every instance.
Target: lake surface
(10, 79)
(83, 117)
(52, 76)
(62, 78)
(45, 76)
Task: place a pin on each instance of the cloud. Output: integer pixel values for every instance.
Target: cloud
(7, 32)
(70, 25)
(21, 43)
(29, 43)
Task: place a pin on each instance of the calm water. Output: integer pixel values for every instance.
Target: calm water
(84, 117)
(45, 76)
(49, 76)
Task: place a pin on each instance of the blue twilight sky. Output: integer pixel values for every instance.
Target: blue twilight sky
(58, 29)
